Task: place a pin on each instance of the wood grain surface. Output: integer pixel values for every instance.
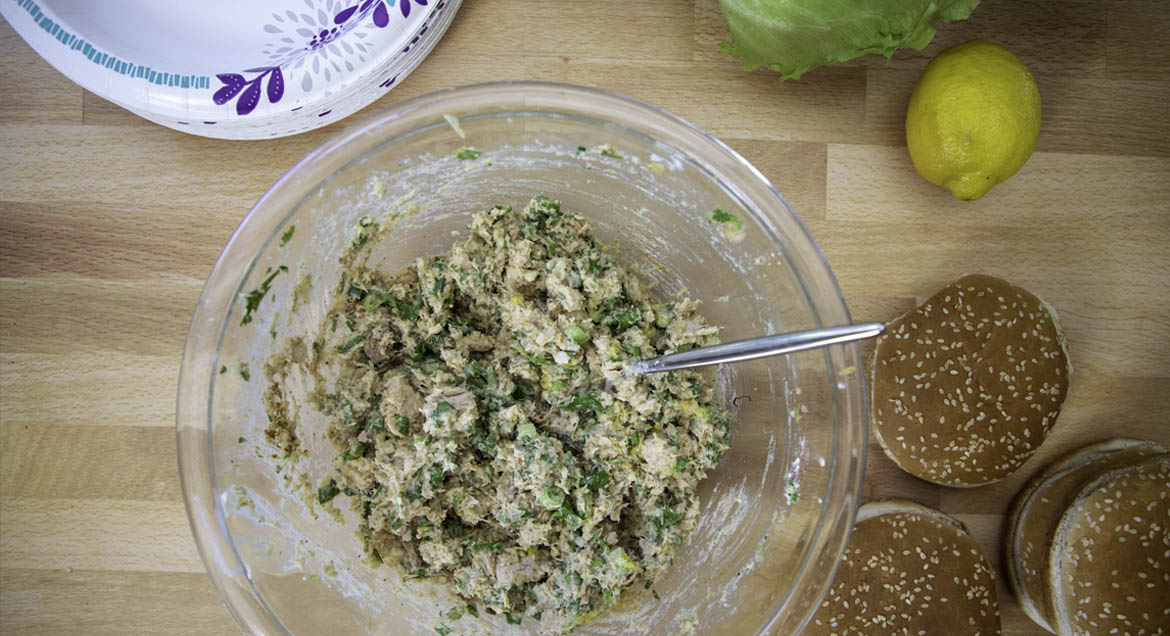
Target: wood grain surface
(109, 225)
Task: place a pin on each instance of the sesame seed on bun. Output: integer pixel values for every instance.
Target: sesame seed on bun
(969, 383)
(1037, 510)
(1110, 556)
(909, 570)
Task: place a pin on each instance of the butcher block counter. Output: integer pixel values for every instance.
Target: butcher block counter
(109, 226)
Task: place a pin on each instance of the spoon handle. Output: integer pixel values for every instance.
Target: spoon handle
(757, 348)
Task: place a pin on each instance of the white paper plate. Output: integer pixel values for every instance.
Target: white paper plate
(234, 69)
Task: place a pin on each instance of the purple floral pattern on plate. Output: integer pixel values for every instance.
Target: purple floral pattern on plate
(249, 90)
(308, 44)
(405, 6)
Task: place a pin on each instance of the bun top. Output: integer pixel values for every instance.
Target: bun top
(969, 383)
(1038, 507)
(909, 570)
(1110, 557)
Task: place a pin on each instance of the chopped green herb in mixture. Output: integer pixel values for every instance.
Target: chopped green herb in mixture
(252, 299)
(465, 153)
(719, 216)
(484, 430)
(791, 491)
(729, 225)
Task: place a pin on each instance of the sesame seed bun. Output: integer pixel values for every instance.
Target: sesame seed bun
(969, 383)
(1110, 556)
(909, 570)
(1037, 510)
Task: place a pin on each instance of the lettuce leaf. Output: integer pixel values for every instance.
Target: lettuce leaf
(793, 36)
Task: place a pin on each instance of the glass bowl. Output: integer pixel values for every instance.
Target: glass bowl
(775, 515)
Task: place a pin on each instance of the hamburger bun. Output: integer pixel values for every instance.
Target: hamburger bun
(1037, 510)
(1110, 555)
(969, 383)
(909, 570)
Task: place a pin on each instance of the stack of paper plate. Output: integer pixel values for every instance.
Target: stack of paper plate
(235, 69)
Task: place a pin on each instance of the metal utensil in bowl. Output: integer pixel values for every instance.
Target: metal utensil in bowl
(757, 348)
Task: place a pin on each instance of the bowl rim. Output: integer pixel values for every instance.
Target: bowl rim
(223, 563)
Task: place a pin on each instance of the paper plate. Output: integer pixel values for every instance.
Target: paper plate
(234, 69)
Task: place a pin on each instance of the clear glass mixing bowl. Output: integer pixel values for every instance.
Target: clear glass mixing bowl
(776, 514)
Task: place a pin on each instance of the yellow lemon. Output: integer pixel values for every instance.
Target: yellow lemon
(973, 118)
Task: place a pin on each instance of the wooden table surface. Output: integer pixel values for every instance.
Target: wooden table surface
(109, 226)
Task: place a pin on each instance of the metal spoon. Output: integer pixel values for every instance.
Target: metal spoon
(757, 348)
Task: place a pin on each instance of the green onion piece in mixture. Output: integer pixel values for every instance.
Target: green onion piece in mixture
(577, 334)
(597, 480)
(327, 492)
(442, 407)
(628, 318)
(351, 343)
(551, 497)
(583, 403)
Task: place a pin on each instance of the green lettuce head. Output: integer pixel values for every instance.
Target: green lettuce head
(793, 36)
